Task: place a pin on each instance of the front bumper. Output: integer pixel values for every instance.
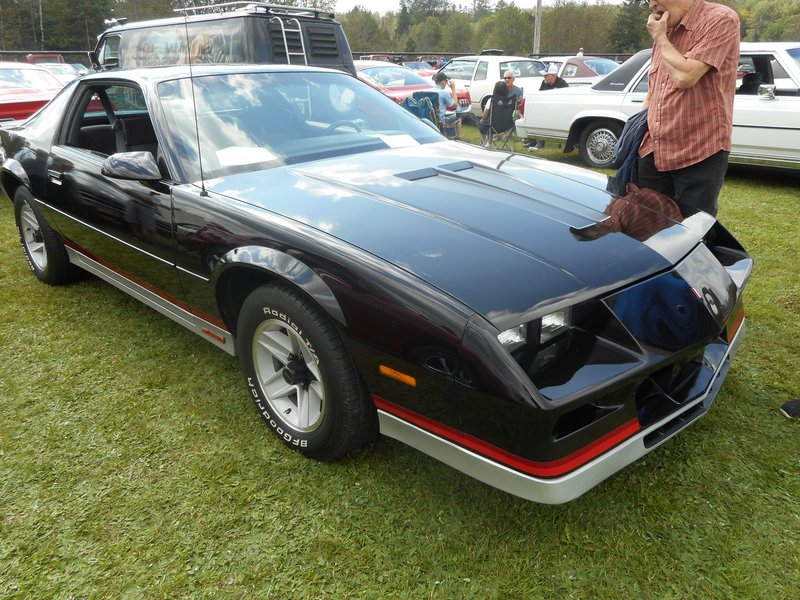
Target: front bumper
(573, 484)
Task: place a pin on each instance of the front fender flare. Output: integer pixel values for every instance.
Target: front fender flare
(280, 265)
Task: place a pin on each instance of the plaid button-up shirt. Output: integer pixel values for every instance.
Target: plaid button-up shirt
(689, 125)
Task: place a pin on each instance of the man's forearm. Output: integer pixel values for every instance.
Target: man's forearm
(684, 72)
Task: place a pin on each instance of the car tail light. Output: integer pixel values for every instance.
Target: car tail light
(522, 107)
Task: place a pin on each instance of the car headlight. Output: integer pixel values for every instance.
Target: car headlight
(537, 332)
(554, 324)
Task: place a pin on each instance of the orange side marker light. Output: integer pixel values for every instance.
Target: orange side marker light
(397, 375)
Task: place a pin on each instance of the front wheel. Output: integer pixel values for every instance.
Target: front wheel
(596, 143)
(300, 375)
(46, 254)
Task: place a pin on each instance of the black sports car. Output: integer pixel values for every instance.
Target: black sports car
(501, 313)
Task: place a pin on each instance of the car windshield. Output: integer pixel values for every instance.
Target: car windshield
(11, 79)
(250, 121)
(393, 76)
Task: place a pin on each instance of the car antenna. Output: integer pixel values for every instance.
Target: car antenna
(203, 191)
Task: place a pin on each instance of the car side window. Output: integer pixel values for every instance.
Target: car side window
(641, 87)
(482, 71)
(777, 70)
(459, 69)
(108, 55)
(784, 85)
(111, 119)
(166, 45)
(570, 70)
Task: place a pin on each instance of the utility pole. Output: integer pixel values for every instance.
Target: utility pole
(41, 23)
(537, 28)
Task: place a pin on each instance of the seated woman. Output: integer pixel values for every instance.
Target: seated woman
(500, 91)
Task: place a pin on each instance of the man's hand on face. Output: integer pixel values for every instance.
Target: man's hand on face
(657, 24)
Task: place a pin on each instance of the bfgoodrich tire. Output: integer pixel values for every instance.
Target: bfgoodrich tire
(596, 143)
(300, 375)
(46, 254)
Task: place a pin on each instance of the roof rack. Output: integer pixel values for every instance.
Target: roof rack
(258, 7)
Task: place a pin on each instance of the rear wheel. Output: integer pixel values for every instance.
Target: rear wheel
(301, 377)
(46, 254)
(596, 143)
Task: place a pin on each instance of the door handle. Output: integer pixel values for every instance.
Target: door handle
(55, 176)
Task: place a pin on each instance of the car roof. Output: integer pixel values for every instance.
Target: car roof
(146, 75)
(571, 56)
(755, 46)
(251, 10)
(499, 57)
(10, 64)
(376, 63)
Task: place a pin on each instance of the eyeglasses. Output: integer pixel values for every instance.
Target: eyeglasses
(508, 78)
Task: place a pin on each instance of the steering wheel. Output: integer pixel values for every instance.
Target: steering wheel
(344, 123)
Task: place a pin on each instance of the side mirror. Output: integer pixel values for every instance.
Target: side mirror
(766, 91)
(138, 166)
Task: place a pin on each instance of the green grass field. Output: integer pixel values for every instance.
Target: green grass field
(132, 465)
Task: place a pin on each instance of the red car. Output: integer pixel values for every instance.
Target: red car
(399, 82)
(24, 89)
(421, 68)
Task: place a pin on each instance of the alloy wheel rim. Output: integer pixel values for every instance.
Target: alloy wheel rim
(32, 237)
(288, 373)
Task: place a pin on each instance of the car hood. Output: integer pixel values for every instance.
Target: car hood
(494, 230)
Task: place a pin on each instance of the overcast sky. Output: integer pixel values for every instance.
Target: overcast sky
(383, 6)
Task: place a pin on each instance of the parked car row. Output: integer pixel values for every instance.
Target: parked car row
(766, 110)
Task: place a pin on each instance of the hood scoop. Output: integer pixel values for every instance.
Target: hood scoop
(427, 172)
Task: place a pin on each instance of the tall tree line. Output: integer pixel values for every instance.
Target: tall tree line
(567, 26)
(463, 26)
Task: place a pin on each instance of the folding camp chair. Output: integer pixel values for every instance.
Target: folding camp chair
(449, 131)
(425, 100)
(500, 134)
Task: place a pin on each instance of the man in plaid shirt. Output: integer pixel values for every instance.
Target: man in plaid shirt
(690, 99)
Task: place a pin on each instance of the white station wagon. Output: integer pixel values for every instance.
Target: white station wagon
(766, 110)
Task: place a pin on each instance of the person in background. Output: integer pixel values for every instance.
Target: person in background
(552, 80)
(500, 91)
(447, 97)
(690, 95)
(514, 91)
